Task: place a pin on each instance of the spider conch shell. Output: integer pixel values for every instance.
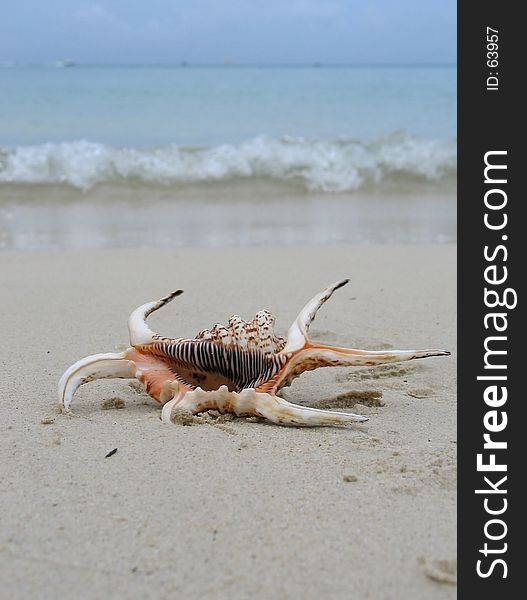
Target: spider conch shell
(238, 368)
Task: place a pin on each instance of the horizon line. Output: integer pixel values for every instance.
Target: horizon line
(186, 63)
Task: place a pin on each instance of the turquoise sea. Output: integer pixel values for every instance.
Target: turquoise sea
(186, 132)
(330, 128)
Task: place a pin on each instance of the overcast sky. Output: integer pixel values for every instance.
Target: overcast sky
(245, 31)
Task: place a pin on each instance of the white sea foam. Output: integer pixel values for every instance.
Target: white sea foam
(328, 166)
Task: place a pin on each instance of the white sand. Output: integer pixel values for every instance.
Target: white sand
(233, 510)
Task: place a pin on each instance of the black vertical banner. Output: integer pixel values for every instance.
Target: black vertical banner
(492, 162)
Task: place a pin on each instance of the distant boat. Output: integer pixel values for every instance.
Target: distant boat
(68, 62)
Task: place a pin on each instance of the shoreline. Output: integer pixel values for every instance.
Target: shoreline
(232, 509)
(241, 214)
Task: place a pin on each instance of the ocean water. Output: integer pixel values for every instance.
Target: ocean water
(330, 129)
(81, 147)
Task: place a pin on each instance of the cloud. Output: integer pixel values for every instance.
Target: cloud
(248, 30)
(92, 13)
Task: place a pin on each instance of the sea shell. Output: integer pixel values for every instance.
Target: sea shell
(238, 368)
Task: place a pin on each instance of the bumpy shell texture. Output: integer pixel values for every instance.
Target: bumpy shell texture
(257, 334)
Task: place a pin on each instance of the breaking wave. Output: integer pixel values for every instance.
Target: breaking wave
(329, 166)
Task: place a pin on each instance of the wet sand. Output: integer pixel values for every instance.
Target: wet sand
(124, 216)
